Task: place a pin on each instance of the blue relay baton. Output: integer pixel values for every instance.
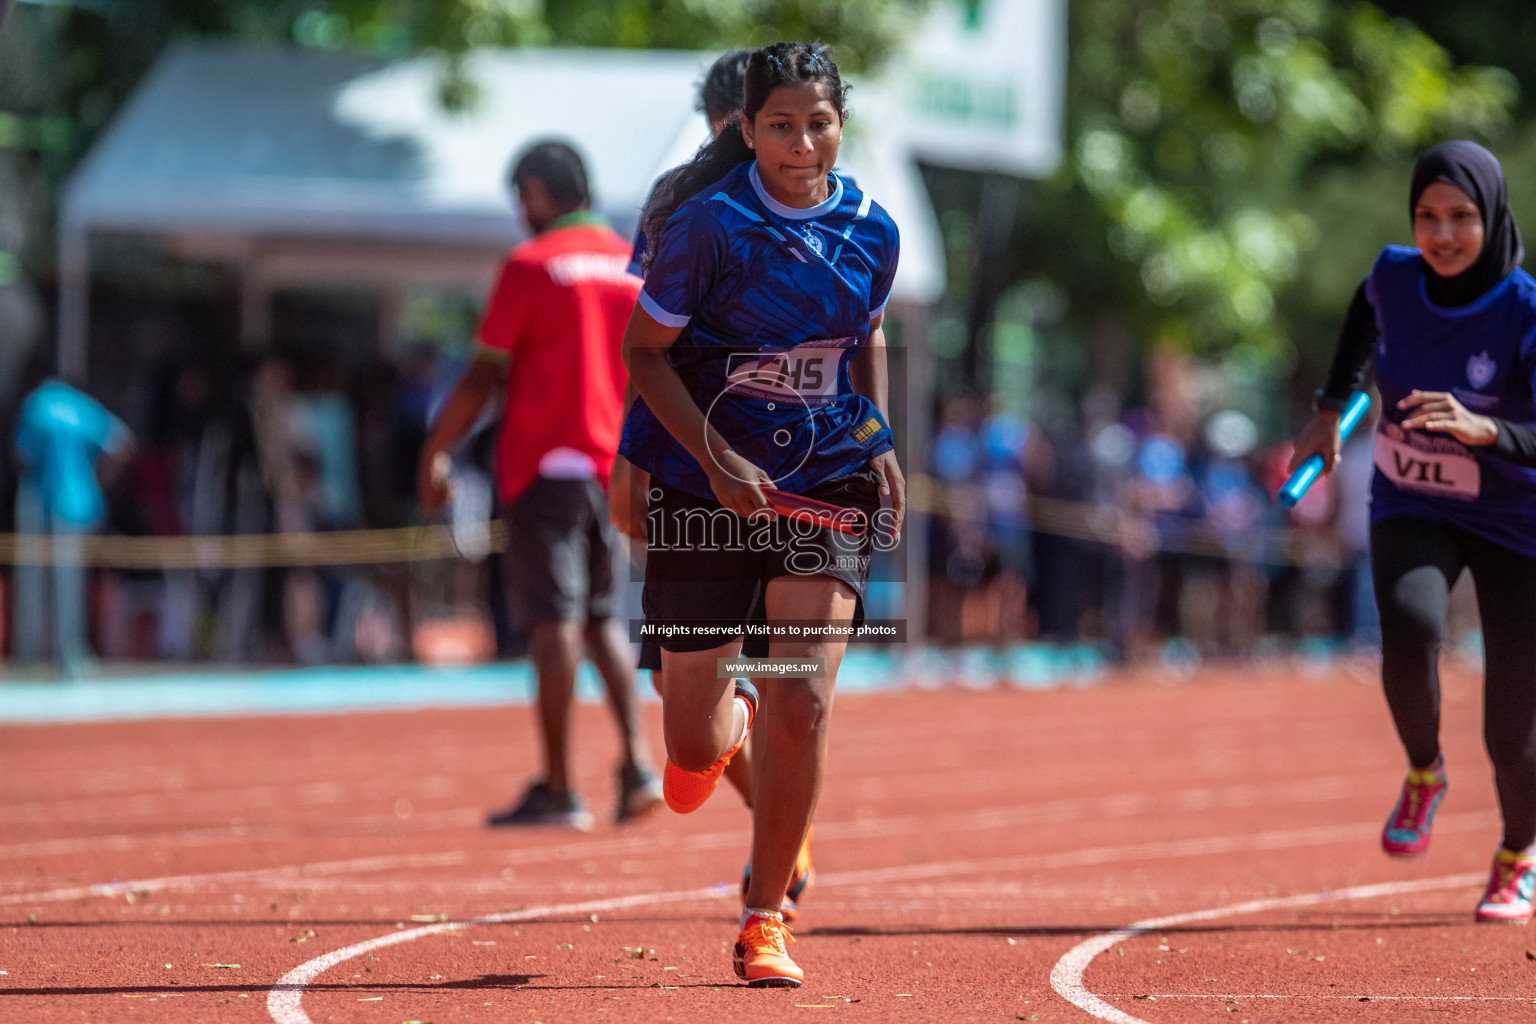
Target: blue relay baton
(1307, 473)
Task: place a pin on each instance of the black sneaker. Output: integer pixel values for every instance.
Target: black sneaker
(639, 794)
(541, 805)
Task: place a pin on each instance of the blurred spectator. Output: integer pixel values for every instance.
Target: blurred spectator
(1225, 594)
(1300, 593)
(1158, 498)
(64, 438)
(982, 546)
(1065, 567)
(1358, 618)
(958, 543)
(308, 455)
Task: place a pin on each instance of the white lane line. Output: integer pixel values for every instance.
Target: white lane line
(1172, 849)
(290, 873)
(285, 1000)
(224, 801)
(1165, 850)
(1351, 999)
(1067, 975)
(1122, 805)
(319, 828)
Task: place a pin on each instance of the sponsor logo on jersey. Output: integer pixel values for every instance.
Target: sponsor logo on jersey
(1480, 370)
(866, 430)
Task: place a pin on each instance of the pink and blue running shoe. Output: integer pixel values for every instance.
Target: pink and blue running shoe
(1511, 885)
(1407, 831)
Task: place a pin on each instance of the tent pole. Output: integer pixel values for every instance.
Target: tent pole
(916, 363)
(74, 304)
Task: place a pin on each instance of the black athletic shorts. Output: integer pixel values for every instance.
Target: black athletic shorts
(710, 564)
(559, 558)
(751, 647)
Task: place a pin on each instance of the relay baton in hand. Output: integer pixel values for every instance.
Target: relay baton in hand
(834, 517)
(1308, 472)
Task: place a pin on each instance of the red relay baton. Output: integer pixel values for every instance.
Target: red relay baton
(834, 517)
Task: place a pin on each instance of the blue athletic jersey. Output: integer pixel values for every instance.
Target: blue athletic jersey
(774, 301)
(59, 433)
(637, 252)
(1484, 354)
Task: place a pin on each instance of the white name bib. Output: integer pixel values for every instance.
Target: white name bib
(806, 372)
(1455, 476)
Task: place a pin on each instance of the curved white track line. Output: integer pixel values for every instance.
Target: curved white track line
(285, 1001)
(1067, 975)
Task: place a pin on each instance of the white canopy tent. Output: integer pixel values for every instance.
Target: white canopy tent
(316, 168)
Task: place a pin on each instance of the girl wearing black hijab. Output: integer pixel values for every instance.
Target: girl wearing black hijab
(1451, 327)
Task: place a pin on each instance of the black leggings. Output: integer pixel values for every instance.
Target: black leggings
(1415, 563)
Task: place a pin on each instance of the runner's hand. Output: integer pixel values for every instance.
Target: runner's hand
(1319, 437)
(1436, 410)
(893, 484)
(737, 484)
(432, 483)
(628, 489)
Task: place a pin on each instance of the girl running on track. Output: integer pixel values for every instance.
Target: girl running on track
(720, 102)
(758, 354)
(1452, 328)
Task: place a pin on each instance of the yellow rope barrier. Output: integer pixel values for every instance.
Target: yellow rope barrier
(1078, 520)
(248, 551)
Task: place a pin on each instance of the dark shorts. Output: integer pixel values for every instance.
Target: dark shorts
(751, 647)
(559, 558)
(711, 564)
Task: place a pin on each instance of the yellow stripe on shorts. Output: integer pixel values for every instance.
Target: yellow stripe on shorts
(866, 430)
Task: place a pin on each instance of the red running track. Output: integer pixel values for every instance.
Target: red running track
(969, 845)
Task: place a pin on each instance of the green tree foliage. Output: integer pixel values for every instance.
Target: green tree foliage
(66, 68)
(1500, 32)
(1218, 146)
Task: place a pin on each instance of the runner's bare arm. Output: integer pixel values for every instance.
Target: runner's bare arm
(868, 369)
(628, 487)
(460, 410)
(871, 378)
(734, 480)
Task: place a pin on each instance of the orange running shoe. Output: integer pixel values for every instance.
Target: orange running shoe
(687, 791)
(797, 882)
(760, 958)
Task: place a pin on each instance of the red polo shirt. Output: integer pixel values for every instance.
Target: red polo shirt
(558, 312)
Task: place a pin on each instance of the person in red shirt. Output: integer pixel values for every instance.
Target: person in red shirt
(549, 339)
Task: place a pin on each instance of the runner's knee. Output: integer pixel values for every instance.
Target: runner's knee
(1413, 610)
(798, 711)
